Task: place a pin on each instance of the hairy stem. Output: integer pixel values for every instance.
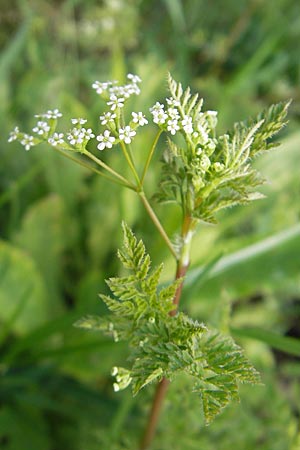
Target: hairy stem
(161, 390)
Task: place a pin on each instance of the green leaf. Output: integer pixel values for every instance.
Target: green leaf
(236, 259)
(23, 299)
(164, 346)
(285, 344)
(47, 231)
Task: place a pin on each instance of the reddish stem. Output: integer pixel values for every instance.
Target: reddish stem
(154, 413)
(162, 386)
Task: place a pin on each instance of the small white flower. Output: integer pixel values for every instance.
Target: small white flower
(106, 140)
(173, 113)
(130, 89)
(172, 102)
(116, 102)
(159, 117)
(114, 371)
(56, 139)
(118, 91)
(173, 126)
(100, 87)
(41, 128)
(55, 114)
(158, 107)
(187, 124)
(75, 136)
(27, 141)
(135, 89)
(78, 121)
(125, 134)
(116, 387)
(87, 133)
(139, 118)
(107, 117)
(134, 78)
(13, 135)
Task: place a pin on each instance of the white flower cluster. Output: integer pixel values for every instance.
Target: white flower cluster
(80, 136)
(107, 117)
(50, 114)
(56, 139)
(13, 135)
(107, 141)
(27, 141)
(78, 121)
(116, 97)
(42, 128)
(174, 119)
(101, 87)
(171, 118)
(123, 378)
(117, 131)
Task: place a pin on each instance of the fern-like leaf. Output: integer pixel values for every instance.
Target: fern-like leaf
(162, 345)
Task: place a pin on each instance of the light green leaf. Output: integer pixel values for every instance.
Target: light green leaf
(23, 299)
(285, 344)
(47, 231)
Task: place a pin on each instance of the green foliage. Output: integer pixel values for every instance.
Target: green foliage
(163, 346)
(240, 62)
(23, 300)
(209, 173)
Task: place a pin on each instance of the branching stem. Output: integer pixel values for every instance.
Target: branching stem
(150, 155)
(130, 163)
(157, 223)
(124, 183)
(106, 167)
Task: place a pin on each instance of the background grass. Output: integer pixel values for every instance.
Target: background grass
(60, 225)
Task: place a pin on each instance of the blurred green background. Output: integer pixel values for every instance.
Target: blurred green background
(60, 224)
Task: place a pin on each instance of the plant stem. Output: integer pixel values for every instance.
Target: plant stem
(109, 169)
(93, 169)
(130, 163)
(157, 223)
(119, 179)
(159, 396)
(182, 266)
(150, 156)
